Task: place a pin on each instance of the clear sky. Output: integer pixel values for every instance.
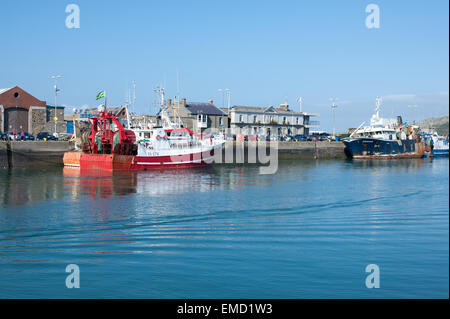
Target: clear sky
(265, 52)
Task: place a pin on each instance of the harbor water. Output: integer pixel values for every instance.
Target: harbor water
(308, 231)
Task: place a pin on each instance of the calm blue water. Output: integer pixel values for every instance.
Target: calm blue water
(226, 232)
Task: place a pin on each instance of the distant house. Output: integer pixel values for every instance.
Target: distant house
(253, 120)
(197, 116)
(82, 116)
(20, 111)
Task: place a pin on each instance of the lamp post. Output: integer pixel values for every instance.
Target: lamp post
(333, 108)
(300, 100)
(228, 94)
(223, 97)
(56, 77)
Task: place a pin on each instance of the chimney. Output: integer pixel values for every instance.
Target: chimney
(183, 102)
(211, 101)
(284, 106)
(169, 102)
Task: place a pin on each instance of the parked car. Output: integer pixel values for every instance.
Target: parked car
(12, 136)
(333, 138)
(318, 137)
(298, 138)
(66, 137)
(28, 137)
(45, 136)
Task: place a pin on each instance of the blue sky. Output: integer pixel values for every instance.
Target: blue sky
(266, 52)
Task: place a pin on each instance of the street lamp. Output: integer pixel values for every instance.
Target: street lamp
(333, 108)
(223, 97)
(300, 100)
(56, 77)
(228, 93)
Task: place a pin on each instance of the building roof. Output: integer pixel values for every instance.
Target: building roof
(268, 109)
(4, 90)
(204, 108)
(252, 109)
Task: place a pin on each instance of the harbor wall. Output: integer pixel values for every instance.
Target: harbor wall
(38, 153)
(32, 153)
(4, 154)
(287, 150)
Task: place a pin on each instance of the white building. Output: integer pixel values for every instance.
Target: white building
(250, 120)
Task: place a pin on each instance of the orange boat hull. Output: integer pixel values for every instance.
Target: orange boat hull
(130, 162)
(98, 161)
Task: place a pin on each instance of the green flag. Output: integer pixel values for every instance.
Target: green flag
(100, 95)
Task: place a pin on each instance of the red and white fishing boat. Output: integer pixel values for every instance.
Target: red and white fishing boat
(112, 147)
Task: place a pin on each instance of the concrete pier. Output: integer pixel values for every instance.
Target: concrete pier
(313, 149)
(39, 153)
(287, 150)
(32, 153)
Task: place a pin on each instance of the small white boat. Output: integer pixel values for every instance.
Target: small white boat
(440, 145)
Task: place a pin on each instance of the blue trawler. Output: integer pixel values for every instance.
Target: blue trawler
(436, 145)
(384, 139)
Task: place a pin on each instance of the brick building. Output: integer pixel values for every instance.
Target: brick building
(20, 111)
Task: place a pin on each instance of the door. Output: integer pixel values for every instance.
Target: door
(16, 119)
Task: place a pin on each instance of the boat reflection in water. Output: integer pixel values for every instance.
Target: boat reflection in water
(23, 186)
(106, 184)
(98, 183)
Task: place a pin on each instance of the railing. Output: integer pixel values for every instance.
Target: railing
(312, 123)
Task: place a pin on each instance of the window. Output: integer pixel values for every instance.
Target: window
(202, 118)
(241, 118)
(296, 120)
(254, 118)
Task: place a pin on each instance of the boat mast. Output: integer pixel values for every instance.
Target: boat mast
(377, 106)
(134, 96)
(128, 116)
